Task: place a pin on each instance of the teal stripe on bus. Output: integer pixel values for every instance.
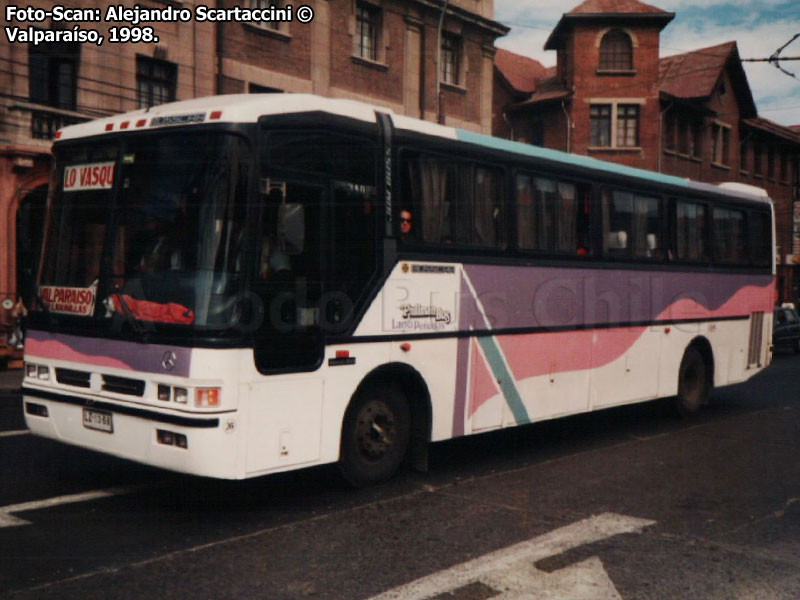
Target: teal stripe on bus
(504, 379)
(567, 159)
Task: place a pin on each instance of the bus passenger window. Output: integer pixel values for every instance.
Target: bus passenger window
(728, 241)
(760, 238)
(486, 208)
(451, 202)
(551, 215)
(429, 198)
(631, 225)
(690, 235)
(566, 229)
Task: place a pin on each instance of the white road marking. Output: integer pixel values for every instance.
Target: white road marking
(4, 434)
(585, 580)
(7, 520)
(512, 572)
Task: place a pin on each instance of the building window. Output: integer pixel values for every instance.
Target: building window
(616, 51)
(255, 88)
(266, 5)
(451, 49)
(537, 132)
(368, 22)
(155, 81)
(627, 125)
(614, 125)
(53, 74)
(757, 162)
(600, 125)
(784, 166)
(744, 151)
(771, 162)
(720, 144)
(670, 125)
(695, 138)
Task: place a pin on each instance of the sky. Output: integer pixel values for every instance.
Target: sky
(759, 27)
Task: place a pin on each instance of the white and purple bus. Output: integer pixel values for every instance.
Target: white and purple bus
(242, 285)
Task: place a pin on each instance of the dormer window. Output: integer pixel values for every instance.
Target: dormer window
(616, 51)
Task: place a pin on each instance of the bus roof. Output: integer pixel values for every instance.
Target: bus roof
(248, 108)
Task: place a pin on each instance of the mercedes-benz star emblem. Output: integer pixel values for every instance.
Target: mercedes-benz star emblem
(168, 360)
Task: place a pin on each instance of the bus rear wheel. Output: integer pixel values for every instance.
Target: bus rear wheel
(375, 435)
(693, 385)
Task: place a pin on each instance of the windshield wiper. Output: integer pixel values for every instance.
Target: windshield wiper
(136, 325)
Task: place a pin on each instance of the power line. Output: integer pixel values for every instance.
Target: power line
(776, 58)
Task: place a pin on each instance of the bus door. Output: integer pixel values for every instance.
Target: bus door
(285, 412)
(288, 282)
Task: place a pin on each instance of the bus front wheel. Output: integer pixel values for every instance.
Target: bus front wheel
(375, 435)
(693, 384)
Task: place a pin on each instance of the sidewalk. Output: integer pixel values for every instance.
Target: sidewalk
(11, 379)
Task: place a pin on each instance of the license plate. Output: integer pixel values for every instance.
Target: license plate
(99, 420)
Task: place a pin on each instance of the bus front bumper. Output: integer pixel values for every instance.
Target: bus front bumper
(195, 443)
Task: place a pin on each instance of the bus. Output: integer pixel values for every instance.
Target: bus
(242, 285)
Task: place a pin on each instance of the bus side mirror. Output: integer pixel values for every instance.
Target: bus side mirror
(292, 228)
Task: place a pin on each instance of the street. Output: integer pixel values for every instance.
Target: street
(630, 503)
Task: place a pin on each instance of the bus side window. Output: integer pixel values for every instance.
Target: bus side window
(552, 215)
(690, 231)
(451, 202)
(728, 237)
(631, 225)
(429, 199)
(760, 238)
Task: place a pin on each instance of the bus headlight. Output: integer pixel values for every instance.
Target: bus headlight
(181, 395)
(35, 371)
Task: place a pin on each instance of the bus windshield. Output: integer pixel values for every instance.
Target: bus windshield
(169, 214)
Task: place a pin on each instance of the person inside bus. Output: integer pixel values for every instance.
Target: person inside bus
(162, 249)
(406, 233)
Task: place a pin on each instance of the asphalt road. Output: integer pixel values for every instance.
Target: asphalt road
(628, 503)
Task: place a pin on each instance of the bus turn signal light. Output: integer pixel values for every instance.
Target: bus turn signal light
(206, 397)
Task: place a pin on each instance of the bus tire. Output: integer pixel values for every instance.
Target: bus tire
(375, 435)
(693, 385)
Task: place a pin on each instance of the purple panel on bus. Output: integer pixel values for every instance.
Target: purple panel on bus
(117, 354)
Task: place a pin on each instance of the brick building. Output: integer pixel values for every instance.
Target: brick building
(382, 52)
(379, 51)
(49, 85)
(611, 96)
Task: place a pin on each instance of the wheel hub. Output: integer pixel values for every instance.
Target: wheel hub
(375, 430)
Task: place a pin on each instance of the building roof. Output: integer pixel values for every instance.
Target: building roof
(604, 7)
(520, 72)
(694, 75)
(791, 134)
(624, 11)
(547, 90)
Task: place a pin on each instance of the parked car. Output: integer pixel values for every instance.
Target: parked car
(786, 328)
